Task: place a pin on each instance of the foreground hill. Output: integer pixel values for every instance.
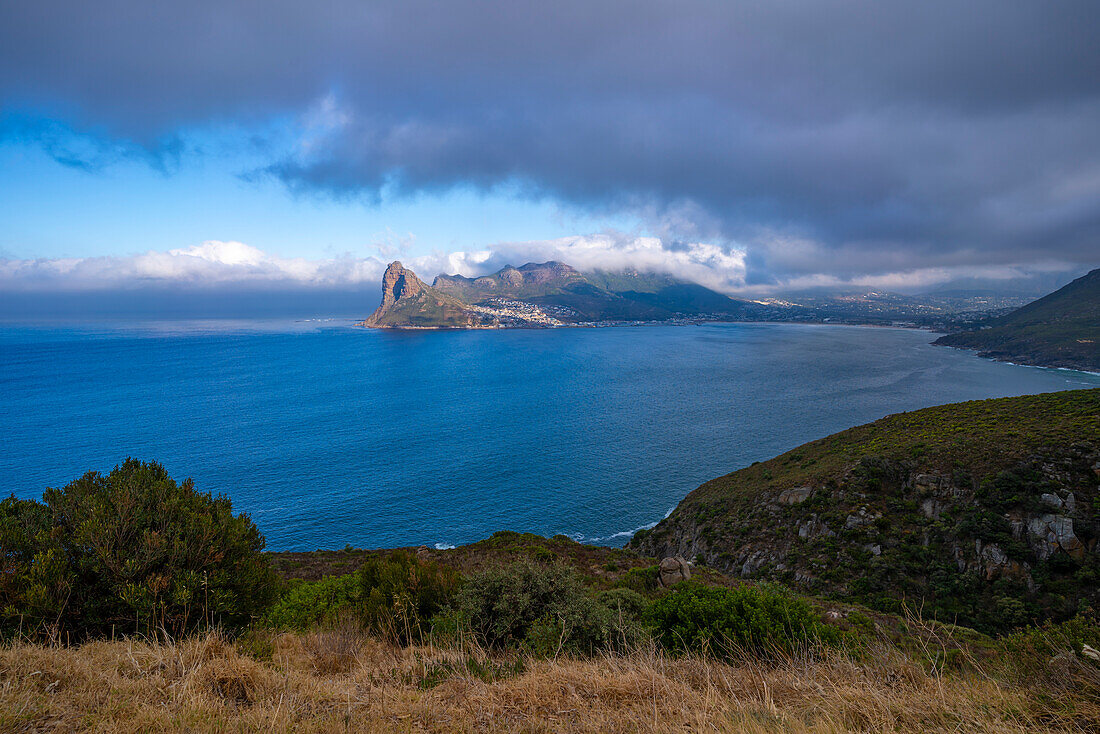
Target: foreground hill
(545, 294)
(988, 511)
(1058, 330)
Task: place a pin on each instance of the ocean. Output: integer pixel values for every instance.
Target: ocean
(329, 435)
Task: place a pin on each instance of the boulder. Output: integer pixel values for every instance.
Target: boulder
(794, 496)
(673, 570)
(814, 527)
(1052, 500)
(1054, 532)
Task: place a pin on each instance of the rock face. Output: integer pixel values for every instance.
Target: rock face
(795, 496)
(673, 571)
(399, 282)
(410, 304)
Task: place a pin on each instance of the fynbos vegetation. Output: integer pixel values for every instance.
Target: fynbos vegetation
(523, 632)
(131, 552)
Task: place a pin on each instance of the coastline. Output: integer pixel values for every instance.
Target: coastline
(1013, 360)
(702, 322)
(629, 324)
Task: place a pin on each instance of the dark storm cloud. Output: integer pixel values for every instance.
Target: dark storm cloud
(835, 137)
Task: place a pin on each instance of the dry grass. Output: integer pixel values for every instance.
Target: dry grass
(327, 682)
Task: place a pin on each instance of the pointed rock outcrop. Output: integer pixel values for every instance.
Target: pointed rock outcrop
(407, 302)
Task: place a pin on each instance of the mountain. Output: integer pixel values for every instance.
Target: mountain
(986, 512)
(546, 294)
(532, 279)
(1058, 330)
(407, 302)
(573, 296)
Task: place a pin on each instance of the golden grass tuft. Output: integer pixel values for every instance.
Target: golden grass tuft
(341, 680)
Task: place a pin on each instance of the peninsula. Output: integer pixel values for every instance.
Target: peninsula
(549, 294)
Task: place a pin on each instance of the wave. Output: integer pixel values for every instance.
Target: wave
(621, 534)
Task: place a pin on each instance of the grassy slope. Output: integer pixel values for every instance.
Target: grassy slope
(899, 674)
(981, 434)
(601, 565)
(1058, 330)
(341, 680)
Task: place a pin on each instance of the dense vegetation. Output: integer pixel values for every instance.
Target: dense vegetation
(1058, 330)
(131, 551)
(516, 631)
(724, 621)
(134, 551)
(985, 513)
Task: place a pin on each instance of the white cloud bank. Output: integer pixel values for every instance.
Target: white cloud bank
(226, 266)
(217, 264)
(213, 264)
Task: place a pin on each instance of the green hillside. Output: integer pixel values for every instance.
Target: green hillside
(1058, 330)
(987, 512)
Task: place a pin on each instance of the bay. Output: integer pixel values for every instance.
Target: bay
(331, 435)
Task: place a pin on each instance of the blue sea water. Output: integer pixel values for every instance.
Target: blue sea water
(331, 435)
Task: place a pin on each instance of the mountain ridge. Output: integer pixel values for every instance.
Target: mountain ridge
(1061, 329)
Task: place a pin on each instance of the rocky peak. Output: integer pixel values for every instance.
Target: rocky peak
(399, 282)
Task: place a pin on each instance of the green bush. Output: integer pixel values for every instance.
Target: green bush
(393, 595)
(723, 621)
(545, 609)
(309, 603)
(1051, 638)
(34, 579)
(640, 580)
(626, 602)
(400, 594)
(131, 551)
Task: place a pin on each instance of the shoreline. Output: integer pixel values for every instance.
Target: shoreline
(631, 324)
(1006, 360)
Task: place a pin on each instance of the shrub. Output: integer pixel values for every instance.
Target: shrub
(1051, 638)
(392, 595)
(400, 593)
(308, 603)
(640, 580)
(34, 575)
(624, 601)
(697, 618)
(545, 609)
(132, 550)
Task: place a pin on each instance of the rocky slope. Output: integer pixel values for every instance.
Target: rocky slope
(1058, 330)
(986, 512)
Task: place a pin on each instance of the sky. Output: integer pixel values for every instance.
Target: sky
(755, 147)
